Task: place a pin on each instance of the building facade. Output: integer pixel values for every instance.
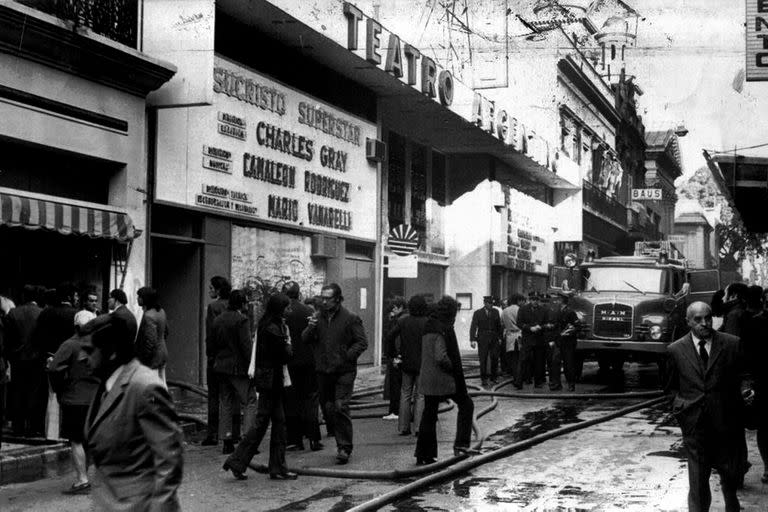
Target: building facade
(298, 161)
(73, 132)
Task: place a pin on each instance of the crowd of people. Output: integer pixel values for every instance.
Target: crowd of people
(297, 363)
(97, 380)
(529, 338)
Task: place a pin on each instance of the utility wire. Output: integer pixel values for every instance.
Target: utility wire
(738, 149)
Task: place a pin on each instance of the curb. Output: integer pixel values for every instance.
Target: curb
(30, 463)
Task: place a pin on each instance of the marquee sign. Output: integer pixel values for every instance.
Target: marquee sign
(265, 151)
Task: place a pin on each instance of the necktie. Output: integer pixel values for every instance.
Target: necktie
(703, 352)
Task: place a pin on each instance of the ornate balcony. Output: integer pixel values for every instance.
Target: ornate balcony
(603, 205)
(114, 19)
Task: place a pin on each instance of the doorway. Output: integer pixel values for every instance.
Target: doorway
(176, 275)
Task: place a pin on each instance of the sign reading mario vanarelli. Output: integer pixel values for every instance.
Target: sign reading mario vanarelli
(268, 152)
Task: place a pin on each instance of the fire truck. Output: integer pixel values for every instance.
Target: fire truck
(632, 307)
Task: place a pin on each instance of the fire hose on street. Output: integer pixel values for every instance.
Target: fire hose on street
(431, 474)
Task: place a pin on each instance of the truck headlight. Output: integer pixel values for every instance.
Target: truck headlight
(654, 332)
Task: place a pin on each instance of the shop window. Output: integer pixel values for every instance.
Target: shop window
(396, 180)
(438, 194)
(47, 171)
(419, 193)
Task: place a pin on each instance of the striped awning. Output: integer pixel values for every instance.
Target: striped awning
(67, 219)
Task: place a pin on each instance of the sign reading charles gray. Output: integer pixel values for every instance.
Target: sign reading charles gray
(285, 141)
(333, 159)
(302, 164)
(757, 40)
(245, 89)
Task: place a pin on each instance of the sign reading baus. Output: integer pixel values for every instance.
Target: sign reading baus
(270, 153)
(647, 194)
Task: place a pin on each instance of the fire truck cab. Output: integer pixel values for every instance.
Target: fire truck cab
(632, 307)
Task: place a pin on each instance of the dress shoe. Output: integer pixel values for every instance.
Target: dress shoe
(556, 388)
(316, 446)
(571, 387)
(342, 457)
(236, 473)
(518, 386)
(209, 441)
(423, 461)
(484, 383)
(288, 475)
(294, 447)
(404, 433)
(228, 447)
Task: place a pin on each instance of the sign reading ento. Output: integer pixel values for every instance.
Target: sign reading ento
(757, 40)
(647, 194)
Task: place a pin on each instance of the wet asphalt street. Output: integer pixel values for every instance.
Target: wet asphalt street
(633, 463)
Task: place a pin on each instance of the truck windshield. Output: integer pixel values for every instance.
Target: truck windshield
(625, 279)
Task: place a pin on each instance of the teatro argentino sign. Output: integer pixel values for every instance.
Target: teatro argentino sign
(385, 50)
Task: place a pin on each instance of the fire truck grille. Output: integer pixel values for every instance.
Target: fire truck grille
(612, 321)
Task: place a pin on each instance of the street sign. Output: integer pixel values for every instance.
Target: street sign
(646, 194)
(403, 240)
(677, 239)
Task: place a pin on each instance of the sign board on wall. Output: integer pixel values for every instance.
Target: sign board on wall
(757, 40)
(265, 151)
(646, 194)
(403, 266)
(529, 233)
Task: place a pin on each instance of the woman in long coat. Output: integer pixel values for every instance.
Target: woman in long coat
(273, 350)
(442, 377)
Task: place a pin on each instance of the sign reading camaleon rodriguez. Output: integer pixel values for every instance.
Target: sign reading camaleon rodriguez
(265, 151)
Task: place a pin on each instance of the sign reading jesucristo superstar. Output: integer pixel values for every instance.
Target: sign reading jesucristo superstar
(299, 161)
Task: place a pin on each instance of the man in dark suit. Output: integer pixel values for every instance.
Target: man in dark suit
(132, 432)
(120, 321)
(28, 388)
(302, 396)
(218, 289)
(338, 338)
(533, 320)
(707, 378)
(485, 333)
